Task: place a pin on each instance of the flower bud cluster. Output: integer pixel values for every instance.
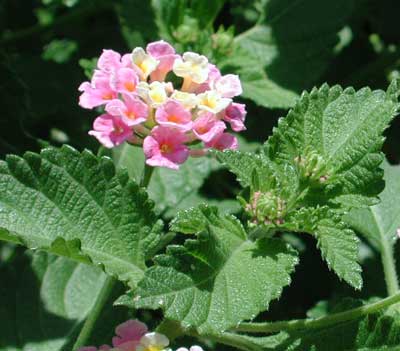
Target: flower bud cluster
(168, 103)
(266, 208)
(313, 167)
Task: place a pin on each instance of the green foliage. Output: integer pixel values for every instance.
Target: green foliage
(59, 51)
(172, 190)
(287, 51)
(380, 331)
(76, 205)
(219, 279)
(45, 301)
(321, 160)
(378, 224)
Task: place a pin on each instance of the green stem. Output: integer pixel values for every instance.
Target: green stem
(146, 176)
(237, 341)
(94, 313)
(355, 313)
(389, 268)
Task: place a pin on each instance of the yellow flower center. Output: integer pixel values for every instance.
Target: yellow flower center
(210, 102)
(165, 149)
(153, 348)
(157, 96)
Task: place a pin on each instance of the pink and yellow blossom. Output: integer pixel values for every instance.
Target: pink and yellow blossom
(140, 105)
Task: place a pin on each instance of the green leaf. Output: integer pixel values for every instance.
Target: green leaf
(45, 301)
(344, 129)
(60, 50)
(264, 91)
(379, 223)
(321, 161)
(290, 50)
(221, 278)
(172, 190)
(75, 204)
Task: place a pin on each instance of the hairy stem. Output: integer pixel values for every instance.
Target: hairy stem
(336, 318)
(231, 339)
(146, 176)
(94, 313)
(389, 268)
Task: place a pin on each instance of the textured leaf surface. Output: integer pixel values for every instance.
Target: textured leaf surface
(322, 160)
(219, 279)
(45, 301)
(344, 127)
(172, 190)
(76, 205)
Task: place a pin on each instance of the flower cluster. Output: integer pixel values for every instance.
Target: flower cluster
(142, 105)
(134, 336)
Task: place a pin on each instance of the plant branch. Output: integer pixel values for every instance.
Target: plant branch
(146, 176)
(336, 318)
(231, 339)
(389, 268)
(94, 313)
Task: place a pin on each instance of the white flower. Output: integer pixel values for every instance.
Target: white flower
(188, 100)
(153, 342)
(155, 94)
(192, 65)
(212, 101)
(144, 62)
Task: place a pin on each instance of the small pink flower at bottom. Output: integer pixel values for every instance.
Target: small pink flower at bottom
(235, 115)
(173, 114)
(165, 148)
(110, 131)
(207, 127)
(132, 110)
(223, 142)
(129, 335)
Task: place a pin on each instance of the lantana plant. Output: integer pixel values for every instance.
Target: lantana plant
(206, 274)
(174, 105)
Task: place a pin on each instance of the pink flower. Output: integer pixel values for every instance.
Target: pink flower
(207, 127)
(229, 86)
(109, 60)
(235, 115)
(165, 148)
(132, 110)
(213, 74)
(110, 130)
(124, 80)
(223, 141)
(173, 114)
(165, 54)
(97, 93)
(129, 335)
